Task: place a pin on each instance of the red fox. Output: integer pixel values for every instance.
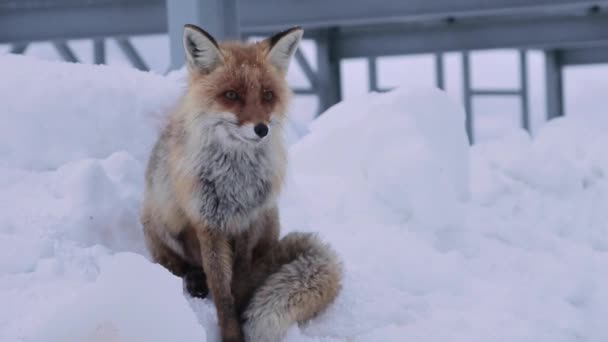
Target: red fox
(210, 204)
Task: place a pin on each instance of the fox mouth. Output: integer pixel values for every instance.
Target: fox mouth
(232, 130)
(243, 138)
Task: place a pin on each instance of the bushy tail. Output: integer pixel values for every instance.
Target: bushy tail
(306, 283)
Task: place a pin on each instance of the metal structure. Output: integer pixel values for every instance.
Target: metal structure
(571, 32)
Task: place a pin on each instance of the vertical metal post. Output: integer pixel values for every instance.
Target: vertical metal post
(307, 69)
(523, 76)
(468, 96)
(439, 71)
(328, 70)
(554, 84)
(99, 51)
(372, 69)
(218, 17)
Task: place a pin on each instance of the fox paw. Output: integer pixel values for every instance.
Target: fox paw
(195, 283)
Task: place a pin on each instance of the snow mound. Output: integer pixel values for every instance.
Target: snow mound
(557, 182)
(400, 156)
(125, 303)
(87, 202)
(61, 112)
(505, 241)
(54, 113)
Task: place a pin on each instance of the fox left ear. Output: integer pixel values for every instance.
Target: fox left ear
(202, 51)
(282, 46)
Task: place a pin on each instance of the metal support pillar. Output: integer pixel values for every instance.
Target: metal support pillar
(129, 51)
(468, 96)
(307, 70)
(99, 51)
(523, 79)
(439, 71)
(64, 51)
(554, 84)
(328, 70)
(372, 70)
(218, 17)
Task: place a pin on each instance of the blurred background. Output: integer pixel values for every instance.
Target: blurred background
(511, 63)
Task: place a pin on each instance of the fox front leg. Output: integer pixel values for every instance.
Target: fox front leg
(259, 239)
(217, 261)
(241, 270)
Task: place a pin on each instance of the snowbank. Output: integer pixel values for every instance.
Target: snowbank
(61, 112)
(400, 157)
(506, 241)
(125, 303)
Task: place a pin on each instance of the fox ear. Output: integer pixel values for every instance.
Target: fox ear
(202, 51)
(282, 46)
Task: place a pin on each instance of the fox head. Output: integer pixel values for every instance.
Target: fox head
(238, 91)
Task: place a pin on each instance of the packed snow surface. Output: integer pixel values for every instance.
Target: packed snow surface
(504, 241)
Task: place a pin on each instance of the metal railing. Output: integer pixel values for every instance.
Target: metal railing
(571, 32)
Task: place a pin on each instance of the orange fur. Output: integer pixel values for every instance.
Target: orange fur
(246, 71)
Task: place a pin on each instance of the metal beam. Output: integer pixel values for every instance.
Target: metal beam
(26, 21)
(20, 21)
(439, 71)
(474, 34)
(468, 96)
(218, 17)
(99, 51)
(307, 69)
(304, 91)
(65, 51)
(322, 14)
(328, 70)
(523, 81)
(554, 84)
(495, 92)
(372, 71)
(131, 53)
(587, 55)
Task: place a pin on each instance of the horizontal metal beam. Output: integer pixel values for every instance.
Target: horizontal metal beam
(26, 22)
(323, 14)
(586, 55)
(496, 92)
(305, 91)
(527, 32)
(38, 20)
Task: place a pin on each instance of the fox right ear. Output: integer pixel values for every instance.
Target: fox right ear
(282, 46)
(202, 51)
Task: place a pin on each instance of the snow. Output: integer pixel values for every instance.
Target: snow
(105, 317)
(504, 241)
(75, 111)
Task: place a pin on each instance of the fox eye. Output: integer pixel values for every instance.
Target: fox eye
(231, 95)
(268, 95)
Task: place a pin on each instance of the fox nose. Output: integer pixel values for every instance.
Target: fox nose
(261, 130)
